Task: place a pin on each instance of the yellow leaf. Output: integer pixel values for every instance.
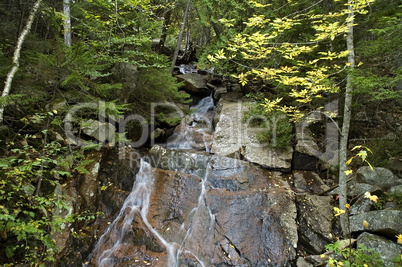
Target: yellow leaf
(347, 205)
(365, 223)
(338, 211)
(348, 172)
(371, 167)
(399, 240)
(349, 161)
(373, 198)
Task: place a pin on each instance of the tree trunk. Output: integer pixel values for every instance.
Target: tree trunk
(17, 53)
(67, 22)
(165, 26)
(346, 125)
(183, 24)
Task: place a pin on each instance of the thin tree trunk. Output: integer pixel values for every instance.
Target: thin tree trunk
(17, 53)
(67, 22)
(183, 24)
(165, 27)
(346, 126)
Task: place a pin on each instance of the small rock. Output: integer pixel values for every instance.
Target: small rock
(195, 84)
(356, 189)
(101, 131)
(309, 181)
(301, 262)
(361, 205)
(396, 166)
(395, 190)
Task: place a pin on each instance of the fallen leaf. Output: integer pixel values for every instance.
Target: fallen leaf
(366, 224)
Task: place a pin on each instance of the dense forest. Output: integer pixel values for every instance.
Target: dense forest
(114, 58)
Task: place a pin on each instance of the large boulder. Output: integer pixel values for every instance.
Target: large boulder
(315, 218)
(234, 138)
(101, 131)
(309, 145)
(195, 84)
(250, 228)
(380, 177)
(387, 249)
(385, 222)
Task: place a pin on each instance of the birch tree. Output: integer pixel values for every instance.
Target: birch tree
(67, 22)
(17, 52)
(346, 123)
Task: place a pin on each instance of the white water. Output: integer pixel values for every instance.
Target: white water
(206, 104)
(185, 139)
(195, 223)
(136, 204)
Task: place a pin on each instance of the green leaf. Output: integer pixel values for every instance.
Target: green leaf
(9, 251)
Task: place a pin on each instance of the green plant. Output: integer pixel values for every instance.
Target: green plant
(395, 197)
(32, 169)
(360, 256)
(276, 127)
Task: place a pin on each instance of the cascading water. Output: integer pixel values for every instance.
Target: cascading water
(189, 244)
(114, 239)
(201, 124)
(136, 204)
(192, 208)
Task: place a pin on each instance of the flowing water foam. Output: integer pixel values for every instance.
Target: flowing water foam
(138, 201)
(136, 204)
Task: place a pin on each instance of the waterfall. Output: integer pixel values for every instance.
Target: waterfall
(136, 204)
(188, 243)
(203, 209)
(201, 123)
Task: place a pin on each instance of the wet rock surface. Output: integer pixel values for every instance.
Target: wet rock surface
(249, 214)
(315, 218)
(241, 205)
